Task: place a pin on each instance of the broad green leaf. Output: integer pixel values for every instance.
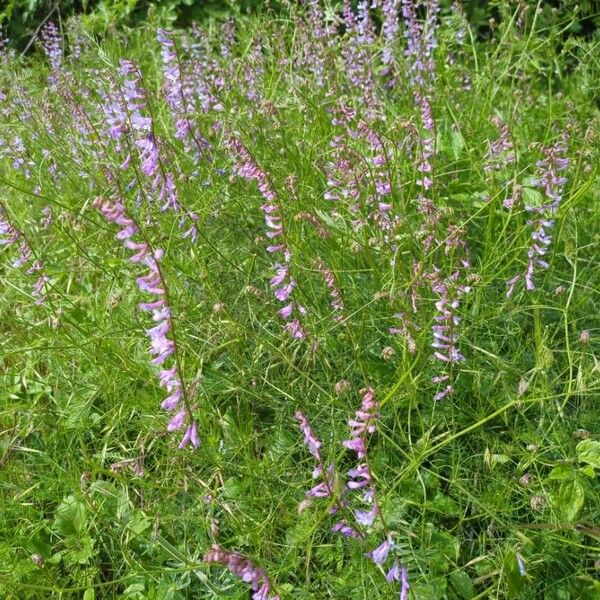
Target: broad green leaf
(561, 472)
(462, 584)
(588, 451)
(89, 594)
(69, 517)
(443, 504)
(569, 500)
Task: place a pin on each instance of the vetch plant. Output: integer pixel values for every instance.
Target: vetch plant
(308, 199)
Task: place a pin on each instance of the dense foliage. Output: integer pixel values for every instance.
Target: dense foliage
(22, 19)
(302, 305)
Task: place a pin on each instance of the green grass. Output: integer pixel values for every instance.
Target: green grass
(98, 502)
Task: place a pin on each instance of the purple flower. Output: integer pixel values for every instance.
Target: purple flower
(10, 235)
(282, 282)
(179, 96)
(500, 152)
(366, 518)
(51, 42)
(542, 220)
(310, 438)
(345, 529)
(380, 554)
(161, 346)
(394, 573)
(161, 182)
(405, 584)
(177, 421)
(191, 435)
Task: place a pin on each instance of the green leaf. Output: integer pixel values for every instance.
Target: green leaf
(588, 471)
(69, 517)
(532, 197)
(569, 500)
(443, 504)
(561, 472)
(232, 488)
(458, 143)
(462, 584)
(139, 523)
(89, 594)
(588, 451)
(82, 552)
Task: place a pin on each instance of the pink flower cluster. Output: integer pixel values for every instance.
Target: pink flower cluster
(381, 177)
(51, 42)
(361, 426)
(243, 568)
(10, 235)
(161, 346)
(420, 39)
(427, 150)
(282, 283)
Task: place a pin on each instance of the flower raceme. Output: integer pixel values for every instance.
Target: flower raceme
(360, 478)
(282, 283)
(549, 178)
(162, 347)
(162, 183)
(323, 489)
(178, 93)
(10, 235)
(245, 569)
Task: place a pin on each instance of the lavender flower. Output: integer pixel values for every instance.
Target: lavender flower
(397, 573)
(427, 207)
(162, 347)
(445, 337)
(161, 182)
(323, 489)
(336, 299)
(356, 53)
(542, 221)
(500, 152)
(346, 530)
(53, 49)
(243, 568)
(254, 72)
(361, 477)
(320, 36)
(429, 40)
(282, 283)
(389, 32)
(380, 554)
(381, 179)
(10, 235)
(459, 10)
(421, 40)
(178, 94)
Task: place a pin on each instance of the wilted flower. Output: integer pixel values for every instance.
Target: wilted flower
(243, 568)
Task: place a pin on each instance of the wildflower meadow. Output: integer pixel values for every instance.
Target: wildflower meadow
(302, 303)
